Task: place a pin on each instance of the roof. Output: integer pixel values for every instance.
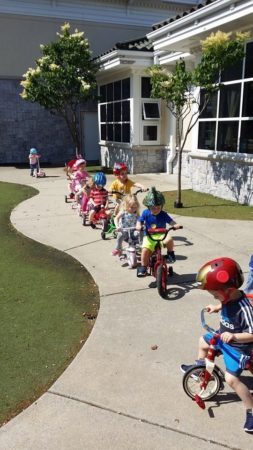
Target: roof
(158, 25)
(139, 44)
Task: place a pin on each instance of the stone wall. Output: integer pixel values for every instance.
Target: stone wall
(225, 176)
(138, 159)
(24, 125)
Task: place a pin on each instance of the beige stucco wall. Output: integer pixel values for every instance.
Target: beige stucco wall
(20, 38)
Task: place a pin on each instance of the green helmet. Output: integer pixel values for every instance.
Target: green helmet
(153, 198)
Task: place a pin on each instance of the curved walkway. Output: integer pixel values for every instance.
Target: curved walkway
(118, 393)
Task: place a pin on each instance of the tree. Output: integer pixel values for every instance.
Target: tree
(64, 77)
(178, 88)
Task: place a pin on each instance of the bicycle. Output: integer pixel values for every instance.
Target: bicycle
(100, 217)
(157, 261)
(203, 382)
(131, 249)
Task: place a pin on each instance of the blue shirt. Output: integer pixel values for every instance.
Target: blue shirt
(152, 221)
(237, 317)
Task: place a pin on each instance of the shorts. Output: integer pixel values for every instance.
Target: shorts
(234, 360)
(149, 244)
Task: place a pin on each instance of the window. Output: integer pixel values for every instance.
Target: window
(150, 110)
(114, 110)
(226, 124)
(150, 115)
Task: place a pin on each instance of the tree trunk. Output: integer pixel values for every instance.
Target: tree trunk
(178, 203)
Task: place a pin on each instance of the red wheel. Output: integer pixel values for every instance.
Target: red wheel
(161, 280)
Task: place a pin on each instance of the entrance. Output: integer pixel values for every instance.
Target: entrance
(90, 147)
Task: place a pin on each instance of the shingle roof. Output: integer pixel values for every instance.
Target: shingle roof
(156, 26)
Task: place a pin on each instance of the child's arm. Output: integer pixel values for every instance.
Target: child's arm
(117, 218)
(139, 185)
(243, 338)
(139, 225)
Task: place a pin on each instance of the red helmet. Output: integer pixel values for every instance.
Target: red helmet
(220, 274)
(119, 167)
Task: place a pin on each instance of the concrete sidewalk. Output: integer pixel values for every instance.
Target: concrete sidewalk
(118, 393)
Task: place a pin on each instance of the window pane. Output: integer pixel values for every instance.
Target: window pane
(247, 110)
(126, 88)
(103, 132)
(126, 111)
(145, 87)
(207, 135)
(249, 61)
(211, 107)
(102, 94)
(233, 72)
(150, 133)
(109, 92)
(110, 112)
(230, 100)
(151, 110)
(126, 132)
(227, 136)
(117, 132)
(117, 90)
(117, 112)
(246, 141)
(110, 132)
(103, 113)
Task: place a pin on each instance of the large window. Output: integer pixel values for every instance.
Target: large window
(227, 122)
(114, 110)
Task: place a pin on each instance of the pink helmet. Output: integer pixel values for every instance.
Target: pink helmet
(118, 168)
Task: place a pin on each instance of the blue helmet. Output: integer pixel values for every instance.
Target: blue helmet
(33, 151)
(100, 179)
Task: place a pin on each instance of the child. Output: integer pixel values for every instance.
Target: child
(80, 173)
(126, 218)
(98, 196)
(34, 162)
(222, 277)
(83, 194)
(154, 217)
(122, 183)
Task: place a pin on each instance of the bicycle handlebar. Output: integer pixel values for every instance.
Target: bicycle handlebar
(203, 322)
(163, 231)
(123, 195)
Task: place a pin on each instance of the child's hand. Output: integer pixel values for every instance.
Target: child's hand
(177, 226)
(227, 337)
(213, 308)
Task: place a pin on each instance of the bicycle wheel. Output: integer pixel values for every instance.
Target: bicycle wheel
(161, 281)
(192, 381)
(131, 259)
(105, 223)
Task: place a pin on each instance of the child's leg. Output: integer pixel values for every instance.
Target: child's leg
(241, 389)
(203, 348)
(85, 200)
(145, 255)
(119, 242)
(91, 215)
(168, 243)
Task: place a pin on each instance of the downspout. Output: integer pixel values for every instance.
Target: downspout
(171, 155)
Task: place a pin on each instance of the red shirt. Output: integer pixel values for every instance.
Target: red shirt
(99, 196)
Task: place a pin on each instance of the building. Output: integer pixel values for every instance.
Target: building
(24, 25)
(218, 156)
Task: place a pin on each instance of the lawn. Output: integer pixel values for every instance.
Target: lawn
(48, 304)
(196, 204)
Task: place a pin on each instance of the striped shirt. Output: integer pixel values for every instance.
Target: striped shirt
(99, 196)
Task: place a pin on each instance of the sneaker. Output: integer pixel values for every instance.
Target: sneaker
(116, 252)
(248, 426)
(171, 258)
(184, 367)
(93, 225)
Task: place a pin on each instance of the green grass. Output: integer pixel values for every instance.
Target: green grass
(44, 294)
(196, 204)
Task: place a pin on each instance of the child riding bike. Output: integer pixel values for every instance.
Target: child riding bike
(222, 277)
(126, 218)
(154, 217)
(122, 183)
(98, 197)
